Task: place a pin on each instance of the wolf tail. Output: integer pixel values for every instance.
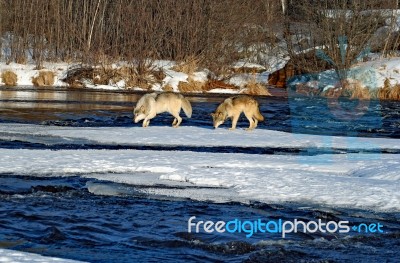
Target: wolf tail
(258, 115)
(187, 107)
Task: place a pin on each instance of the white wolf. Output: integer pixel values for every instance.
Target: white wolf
(150, 105)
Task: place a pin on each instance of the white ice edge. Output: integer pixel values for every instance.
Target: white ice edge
(13, 256)
(363, 181)
(197, 136)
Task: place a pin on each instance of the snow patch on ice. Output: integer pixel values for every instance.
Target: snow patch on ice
(365, 181)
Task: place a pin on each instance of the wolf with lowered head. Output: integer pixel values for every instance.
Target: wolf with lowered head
(233, 107)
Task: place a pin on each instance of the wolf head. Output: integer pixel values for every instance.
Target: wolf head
(218, 118)
(139, 113)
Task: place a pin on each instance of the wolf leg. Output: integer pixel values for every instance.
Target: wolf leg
(177, 118)
(250, 119)
(146, 123)
(146, 120)
(255, 122)
(235, 119)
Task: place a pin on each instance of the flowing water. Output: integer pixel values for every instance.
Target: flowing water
(58, 216)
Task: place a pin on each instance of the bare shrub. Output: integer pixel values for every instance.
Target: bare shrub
(338, 31)
(188, 66)
(45, 78)
(9, 78)
(76, 76)
(141, 75)
(106, 74)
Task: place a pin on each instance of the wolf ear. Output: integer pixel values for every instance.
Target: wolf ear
(219, 114)
(212, 114)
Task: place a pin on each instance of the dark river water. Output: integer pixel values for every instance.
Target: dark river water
(58, 216)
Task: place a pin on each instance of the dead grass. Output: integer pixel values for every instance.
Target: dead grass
(188, 66)
(21, 59)
(349, 88)
(191, 86)
(9, 78)
(45, 78)
(168, 88)
(332, 92)
(159, 75)
(143, 80)
(255, 88)
(248, 70)
(355, 90)
(395, 93)
(388, 92)
(361, 93)
(218, 84)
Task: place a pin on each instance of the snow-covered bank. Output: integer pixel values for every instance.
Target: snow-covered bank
(172, 78)
(371, 75)
(26, 72)
(12, 256)
(356, 180)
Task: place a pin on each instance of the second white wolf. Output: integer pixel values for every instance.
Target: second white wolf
(152, 104)
(233, 107)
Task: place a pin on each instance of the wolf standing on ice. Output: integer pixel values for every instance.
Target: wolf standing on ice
(150, 105)
(233, 107)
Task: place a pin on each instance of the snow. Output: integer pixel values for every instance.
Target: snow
(12, 256)
(241, 64)
(173, 78)
(194, 136)
(372, 74)
(357, 180)
(225, 91)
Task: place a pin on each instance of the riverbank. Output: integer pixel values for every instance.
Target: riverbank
(157, 76)
(378, 78)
